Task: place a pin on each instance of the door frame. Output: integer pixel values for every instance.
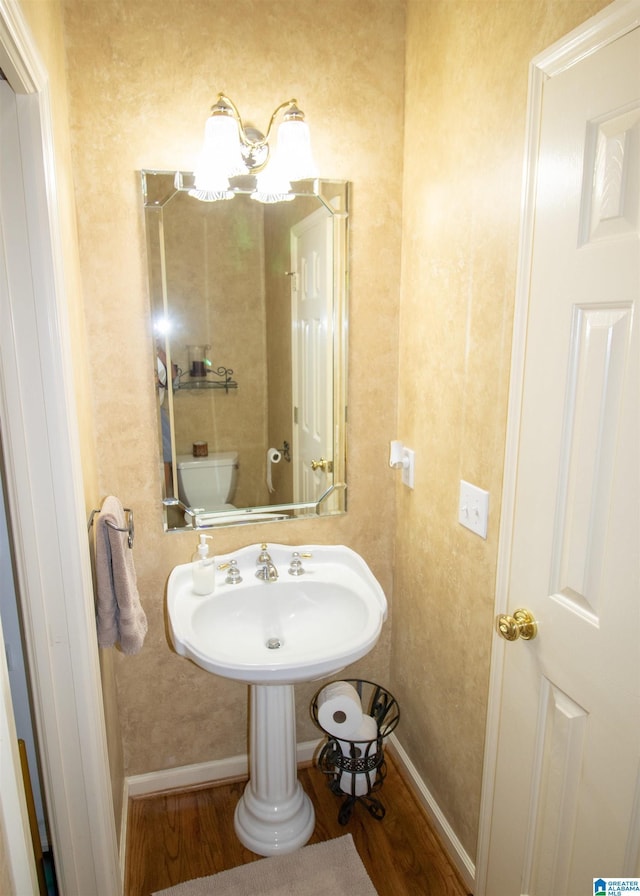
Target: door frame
(611, 23)
(46, 505)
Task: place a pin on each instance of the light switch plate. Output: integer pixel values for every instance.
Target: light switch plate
(408, 466)
(473, 508)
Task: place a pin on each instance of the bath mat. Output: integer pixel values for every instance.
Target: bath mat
(331, 868)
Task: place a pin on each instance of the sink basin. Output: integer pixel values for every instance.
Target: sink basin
(273, 634)
(297, 628)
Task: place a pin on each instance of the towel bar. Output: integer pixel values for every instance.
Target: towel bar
(128, 529)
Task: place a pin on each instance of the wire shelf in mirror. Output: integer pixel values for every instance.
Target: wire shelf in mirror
(225, 382)
(206, 384)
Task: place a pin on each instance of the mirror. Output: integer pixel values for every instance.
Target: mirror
(249, 307)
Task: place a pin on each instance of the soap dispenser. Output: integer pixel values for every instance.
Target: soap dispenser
(203, 568)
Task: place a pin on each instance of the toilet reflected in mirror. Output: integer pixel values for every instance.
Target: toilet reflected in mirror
(208, 482)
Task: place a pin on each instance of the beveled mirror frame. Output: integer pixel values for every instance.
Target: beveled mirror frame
(334, 196)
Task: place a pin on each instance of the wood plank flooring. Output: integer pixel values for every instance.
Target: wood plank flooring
(177, 836)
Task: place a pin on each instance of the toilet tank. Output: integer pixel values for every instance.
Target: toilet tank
(207, 482)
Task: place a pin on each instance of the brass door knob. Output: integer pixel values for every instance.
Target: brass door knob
(520, 625)
(325, 465)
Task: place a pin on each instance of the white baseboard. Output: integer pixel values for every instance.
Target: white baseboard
(203, 772)
(458, 855)
(191, 776)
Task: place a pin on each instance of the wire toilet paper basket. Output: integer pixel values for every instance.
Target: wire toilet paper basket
(356, 769)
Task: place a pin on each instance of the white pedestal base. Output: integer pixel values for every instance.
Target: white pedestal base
(274, 814)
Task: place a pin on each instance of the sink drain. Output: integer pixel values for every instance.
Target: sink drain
(274, 643)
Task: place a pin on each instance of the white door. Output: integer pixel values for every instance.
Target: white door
(312, 355)
(565, 800)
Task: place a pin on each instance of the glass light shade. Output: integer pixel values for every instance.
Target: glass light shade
(211, 195)
(294, 150)
(272, 185)
(220, 158)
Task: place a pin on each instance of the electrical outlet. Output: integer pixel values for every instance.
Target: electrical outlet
(473, 508)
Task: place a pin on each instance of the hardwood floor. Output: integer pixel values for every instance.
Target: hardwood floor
(177, 836)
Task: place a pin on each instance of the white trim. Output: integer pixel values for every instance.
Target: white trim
(613, 22)
(185, 776)
(19, 59)
(45, 496)
(454, 848)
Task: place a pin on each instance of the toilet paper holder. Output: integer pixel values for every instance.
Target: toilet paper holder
(285, 452)
(356, 769)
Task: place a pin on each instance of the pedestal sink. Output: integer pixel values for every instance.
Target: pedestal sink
(272, 634)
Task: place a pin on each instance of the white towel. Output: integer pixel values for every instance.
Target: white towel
(120, 617)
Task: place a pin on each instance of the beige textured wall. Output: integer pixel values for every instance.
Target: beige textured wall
(142, 75)
(466, 90)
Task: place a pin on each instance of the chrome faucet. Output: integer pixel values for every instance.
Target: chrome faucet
(266, 571)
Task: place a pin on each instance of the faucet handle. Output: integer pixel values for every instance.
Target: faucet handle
(295, 567)
(233, 577)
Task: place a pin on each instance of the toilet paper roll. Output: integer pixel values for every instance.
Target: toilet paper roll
(361, 745)
(339, 709)
(273, 457)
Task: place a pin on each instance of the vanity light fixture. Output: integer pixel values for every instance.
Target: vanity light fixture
(232, 150)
